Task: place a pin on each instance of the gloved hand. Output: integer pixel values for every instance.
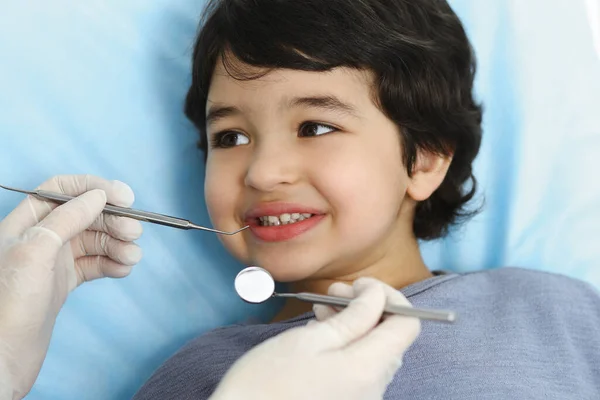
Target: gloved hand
(346, 355)
(46, 251)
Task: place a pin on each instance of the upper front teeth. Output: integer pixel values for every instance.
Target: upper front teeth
(283, 219)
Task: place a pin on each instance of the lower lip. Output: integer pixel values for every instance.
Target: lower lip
(282, 233)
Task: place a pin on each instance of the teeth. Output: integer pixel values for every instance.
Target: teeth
(283, 219)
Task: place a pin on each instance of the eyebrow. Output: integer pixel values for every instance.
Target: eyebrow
(217, 112)
(331, 103)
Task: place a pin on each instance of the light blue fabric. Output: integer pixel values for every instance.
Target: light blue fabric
(539, 78)
(97, 87)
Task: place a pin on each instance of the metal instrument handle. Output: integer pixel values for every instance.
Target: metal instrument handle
(124, 211)
(435, 315)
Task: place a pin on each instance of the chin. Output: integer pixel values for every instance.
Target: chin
(280, 268)
(287, 273)
(288, 276)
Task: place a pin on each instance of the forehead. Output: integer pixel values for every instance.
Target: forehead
(277, 86)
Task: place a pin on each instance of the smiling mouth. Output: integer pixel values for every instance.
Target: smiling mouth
(283, 219)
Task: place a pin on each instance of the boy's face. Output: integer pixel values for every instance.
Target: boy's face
(295, 142)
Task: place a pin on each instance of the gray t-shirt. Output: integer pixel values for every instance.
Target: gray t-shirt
(520, 335)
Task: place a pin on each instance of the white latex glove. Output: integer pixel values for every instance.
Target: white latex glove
(347, 355)
(47, 251)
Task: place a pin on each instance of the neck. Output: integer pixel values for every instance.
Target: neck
(398, 268)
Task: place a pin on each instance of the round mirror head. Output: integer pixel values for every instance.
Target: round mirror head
(254, 285)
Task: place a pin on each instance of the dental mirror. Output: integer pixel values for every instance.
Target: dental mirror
(256, 285)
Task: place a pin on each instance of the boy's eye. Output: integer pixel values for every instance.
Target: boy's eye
(229, 139)
(315, 129)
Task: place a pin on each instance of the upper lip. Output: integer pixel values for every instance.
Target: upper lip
(276, 209)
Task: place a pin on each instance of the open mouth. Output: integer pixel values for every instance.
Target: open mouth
(283, 219)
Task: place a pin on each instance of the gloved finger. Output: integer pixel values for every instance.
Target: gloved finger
(340, 289)
(73, 217)
(361, 315)
(323, 312)
(121, 228)
(101, 244)
(386, 344)
(95, 267)
(31, 210)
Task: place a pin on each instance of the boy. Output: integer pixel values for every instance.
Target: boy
(343, 131)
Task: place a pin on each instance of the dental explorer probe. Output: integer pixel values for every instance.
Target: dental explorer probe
(139, 215)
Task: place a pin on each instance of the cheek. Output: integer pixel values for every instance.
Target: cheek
(219, 193)
(365, 189)
(222, 193)
(368, 195)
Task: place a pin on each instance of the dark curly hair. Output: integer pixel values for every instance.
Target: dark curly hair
(418, 52)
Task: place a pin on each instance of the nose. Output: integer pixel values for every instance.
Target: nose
(271, 167)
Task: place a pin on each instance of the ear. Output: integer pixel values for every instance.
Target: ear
(428, 174)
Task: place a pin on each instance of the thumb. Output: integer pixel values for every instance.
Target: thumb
(362, 314)
(338, 289)
(73, 217)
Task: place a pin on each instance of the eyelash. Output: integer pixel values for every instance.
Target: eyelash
(319, 124)
(216, 139)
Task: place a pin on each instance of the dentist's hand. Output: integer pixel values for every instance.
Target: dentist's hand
(46, 251)
(347, 355)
